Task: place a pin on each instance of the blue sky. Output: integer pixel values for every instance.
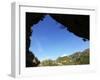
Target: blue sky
(49, 40)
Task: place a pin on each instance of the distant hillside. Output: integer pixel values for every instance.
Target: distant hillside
(81, 57)
(77, 58)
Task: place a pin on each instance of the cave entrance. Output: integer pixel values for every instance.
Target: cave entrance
(49, 36)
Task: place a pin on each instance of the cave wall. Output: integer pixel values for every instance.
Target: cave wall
(77, 24)
(31, 19)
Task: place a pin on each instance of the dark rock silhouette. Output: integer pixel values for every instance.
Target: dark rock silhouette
(77, 24)
(31, 60)
(30, 20)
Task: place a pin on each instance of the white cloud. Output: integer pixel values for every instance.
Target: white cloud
(63, 55)
(39, 46)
